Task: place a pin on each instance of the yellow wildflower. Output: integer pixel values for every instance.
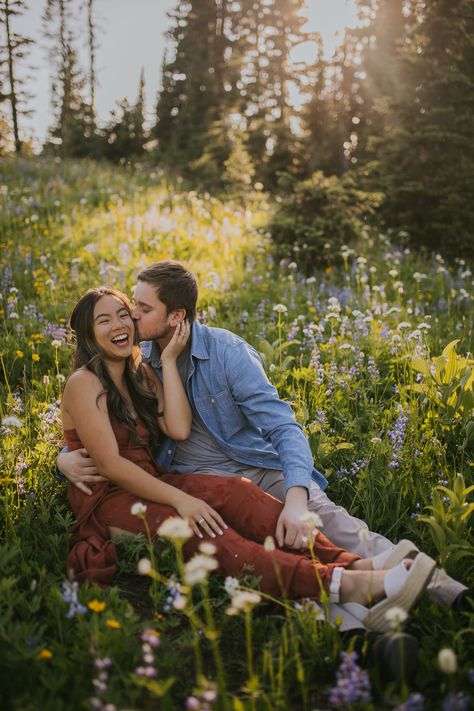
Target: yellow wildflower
(35, 357)
(19, 354)
(115, 624)
(96, 605)
(44, 654)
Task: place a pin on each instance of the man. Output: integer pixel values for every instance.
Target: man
(240, 425)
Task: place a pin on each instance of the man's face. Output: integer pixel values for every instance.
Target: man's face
(150, 314)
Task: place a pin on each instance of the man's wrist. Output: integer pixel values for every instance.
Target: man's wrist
(297, 495)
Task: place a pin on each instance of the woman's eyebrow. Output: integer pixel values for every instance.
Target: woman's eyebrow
(122, 308)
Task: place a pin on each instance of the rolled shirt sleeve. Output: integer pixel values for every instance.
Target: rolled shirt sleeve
(260, 403)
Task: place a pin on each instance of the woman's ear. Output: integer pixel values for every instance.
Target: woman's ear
(177, 316)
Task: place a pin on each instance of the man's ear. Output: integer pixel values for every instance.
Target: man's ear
(177, 316)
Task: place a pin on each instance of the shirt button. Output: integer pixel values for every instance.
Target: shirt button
(212, 400)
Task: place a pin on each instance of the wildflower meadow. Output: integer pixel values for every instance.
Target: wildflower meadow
(375, 355)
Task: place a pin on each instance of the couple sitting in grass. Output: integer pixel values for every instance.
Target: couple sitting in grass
(190, 425)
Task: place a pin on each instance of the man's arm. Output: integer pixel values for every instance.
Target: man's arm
(259, 401)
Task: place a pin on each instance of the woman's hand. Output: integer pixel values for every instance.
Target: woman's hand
(199, 514)
(178, 341)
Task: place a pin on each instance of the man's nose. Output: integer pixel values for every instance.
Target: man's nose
(135, 314)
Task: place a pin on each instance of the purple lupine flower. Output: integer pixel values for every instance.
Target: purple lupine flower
(174, 591)
(456, 702)
(352, 685)
(415, 702)
(397, 438)
(202, 701)
(372, 369)
(150, 640)
(70, 596)
(100, 684)
(353, 469)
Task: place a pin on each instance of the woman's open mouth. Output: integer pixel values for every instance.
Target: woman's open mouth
(120, 340)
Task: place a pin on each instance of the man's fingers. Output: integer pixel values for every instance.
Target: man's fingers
(93, 478)
(83, 451)
(280, 533)
(290, 538)
(85, 489)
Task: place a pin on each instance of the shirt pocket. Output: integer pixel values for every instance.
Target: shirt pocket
(221, 414)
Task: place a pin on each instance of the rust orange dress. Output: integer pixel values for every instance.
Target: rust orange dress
(250, 514)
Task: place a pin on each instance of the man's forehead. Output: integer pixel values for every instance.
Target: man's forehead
(144, 293)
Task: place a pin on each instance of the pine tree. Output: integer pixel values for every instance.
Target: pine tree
(92, 46)
(330, 114)
(13, 51)
(380, 37)
(428, 157)
(124, 136)
(73, 116)
(271, 30)
(197, 85)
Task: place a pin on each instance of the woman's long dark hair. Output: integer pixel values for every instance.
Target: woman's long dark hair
(89, 355)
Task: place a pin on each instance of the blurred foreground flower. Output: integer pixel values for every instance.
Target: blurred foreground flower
(138, 509)
(150, 640)
(352, 685)
(198, 568)
(113, 624)
(269, 544)
(312, 519)
(96, 605)
(231, 585)
(44, 654)
(396, 616)
(447, 661)
(70, 594)
(144, 566)
(243, 601)
(175, 528)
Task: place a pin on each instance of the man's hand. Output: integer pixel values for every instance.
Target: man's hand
(79, 468)
(291, 531)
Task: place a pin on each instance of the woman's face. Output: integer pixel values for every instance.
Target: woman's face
(113, 328)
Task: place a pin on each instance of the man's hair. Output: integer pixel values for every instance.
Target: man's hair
(175, 286)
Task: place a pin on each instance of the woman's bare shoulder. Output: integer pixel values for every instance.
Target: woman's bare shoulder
(82, 378)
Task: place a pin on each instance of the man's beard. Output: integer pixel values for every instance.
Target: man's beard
(154, 335)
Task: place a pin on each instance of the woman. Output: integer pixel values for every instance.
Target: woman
(116, 408)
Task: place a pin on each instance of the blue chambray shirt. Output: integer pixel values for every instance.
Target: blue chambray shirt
(230, 392)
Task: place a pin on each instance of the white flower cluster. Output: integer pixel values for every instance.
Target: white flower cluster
(198, 568)
(243, 601)
(175, 528)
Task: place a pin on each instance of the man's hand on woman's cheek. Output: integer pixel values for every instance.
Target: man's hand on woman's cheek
(79, 469)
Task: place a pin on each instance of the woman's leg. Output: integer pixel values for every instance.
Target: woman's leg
(293, 575)
(250, 511)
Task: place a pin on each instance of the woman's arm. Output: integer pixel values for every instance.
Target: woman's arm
(173, 402)
(92, 423)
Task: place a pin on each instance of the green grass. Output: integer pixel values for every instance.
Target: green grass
(345, 352)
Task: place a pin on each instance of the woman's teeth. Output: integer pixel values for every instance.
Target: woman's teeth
(120, 339)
